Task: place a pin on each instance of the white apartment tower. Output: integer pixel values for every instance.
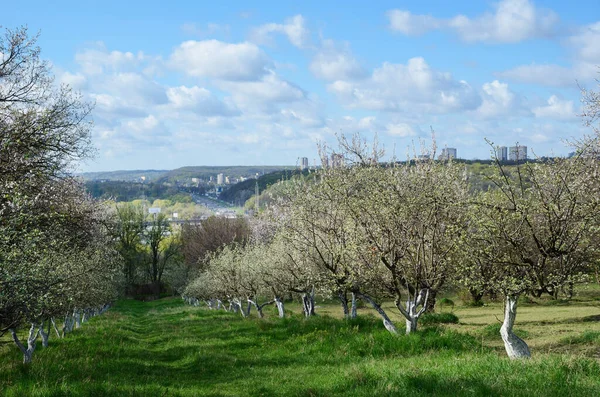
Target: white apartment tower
(502, 153)
(448, 153)
(517, 153)
(304, 163)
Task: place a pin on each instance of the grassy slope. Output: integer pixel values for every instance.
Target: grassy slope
(165, 348)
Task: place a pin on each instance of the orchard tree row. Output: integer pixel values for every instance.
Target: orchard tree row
(57, 261)
(403, 231)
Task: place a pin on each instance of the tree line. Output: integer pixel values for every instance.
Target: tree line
(405, 230)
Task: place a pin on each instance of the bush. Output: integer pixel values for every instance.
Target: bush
(445, 302)
(438, 318)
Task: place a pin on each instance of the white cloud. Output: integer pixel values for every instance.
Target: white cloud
(332, 64)
(76, 81)
(401, 130)
(407, 88)
(411, 24)
(220, 60)
(586, 44)
(556, 108)
(200, 101)
(135, 88)
(584, 48)
(551, 75)
(294, 28)
(499, 100)
(511, 21)
(268, 92)
(95, 61)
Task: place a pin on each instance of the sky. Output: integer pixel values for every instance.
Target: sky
(185, 83)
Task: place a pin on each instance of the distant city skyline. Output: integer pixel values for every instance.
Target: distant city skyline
(237, 83)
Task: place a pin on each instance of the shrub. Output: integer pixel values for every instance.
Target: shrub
(438, 318)
(445, 302)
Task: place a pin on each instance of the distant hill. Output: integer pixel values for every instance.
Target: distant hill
(240, 192)
(185, 174)
(124, 175)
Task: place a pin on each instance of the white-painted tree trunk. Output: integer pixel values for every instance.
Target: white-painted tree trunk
(387, 323)
(308, 304)
(280, 307)
(412, 312)
(353, 307)
(515, 346)
(344, 301)
(43, 334)
(55, 327)
(27, 352)
(77, 317)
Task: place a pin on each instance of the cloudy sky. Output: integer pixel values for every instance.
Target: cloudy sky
(259, 83)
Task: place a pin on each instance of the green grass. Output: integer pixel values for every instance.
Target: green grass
(164, 348)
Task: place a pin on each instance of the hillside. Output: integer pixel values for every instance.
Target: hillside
(164, 348)
(239, 193)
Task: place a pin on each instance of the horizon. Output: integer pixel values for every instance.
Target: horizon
(231, 83)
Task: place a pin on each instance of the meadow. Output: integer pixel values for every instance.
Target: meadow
(165, 348)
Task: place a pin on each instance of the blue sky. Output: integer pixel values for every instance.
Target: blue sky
(233, 83)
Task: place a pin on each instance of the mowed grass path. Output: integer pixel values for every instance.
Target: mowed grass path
(164, 348)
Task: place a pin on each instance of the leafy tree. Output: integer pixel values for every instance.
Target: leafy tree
(535, 232)
(46, 221)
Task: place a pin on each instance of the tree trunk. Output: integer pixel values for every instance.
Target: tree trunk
(430, 304)
(77, 316)
(476, 296)
(27, 352)
(387, 323)
(308, 304)
(55, 327)
(353, 308)
(280, 306)
(515, 346)
(411, 314)
(44, 334)
(344, 301)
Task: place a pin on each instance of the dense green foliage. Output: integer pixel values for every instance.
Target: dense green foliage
(242, 191)
(162, 348)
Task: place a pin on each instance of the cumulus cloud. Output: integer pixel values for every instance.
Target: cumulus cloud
(220, 60)
(200, 101)
(293, 28)
(584, 49)
(98, 60)
(407, 88)
(556, 108)
(76, 81)
(410, 24)
(499, 100)
(268, 92)
(402, 130)
(511, 21)
(332, 63)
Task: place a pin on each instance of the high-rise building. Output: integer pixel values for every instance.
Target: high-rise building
(220, 179)
(502, 153)
(447, 153)
(517, 153)
(304, 163)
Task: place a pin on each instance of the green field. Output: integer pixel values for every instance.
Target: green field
(164, 348)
